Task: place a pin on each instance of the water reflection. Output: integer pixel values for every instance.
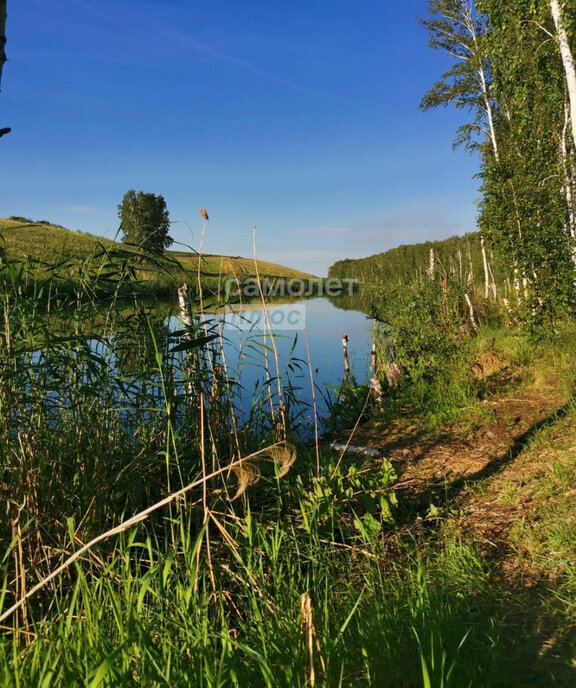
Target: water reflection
(307, 339)
(139, 347)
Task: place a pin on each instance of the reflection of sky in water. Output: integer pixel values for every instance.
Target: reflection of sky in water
(324, 326)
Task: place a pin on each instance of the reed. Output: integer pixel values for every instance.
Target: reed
(154, 535)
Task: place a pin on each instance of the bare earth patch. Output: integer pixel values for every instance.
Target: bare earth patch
(494, 485)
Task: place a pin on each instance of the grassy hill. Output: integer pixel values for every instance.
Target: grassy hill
(43, 246)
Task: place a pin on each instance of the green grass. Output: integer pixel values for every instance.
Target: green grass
(43, 246)
(106, 413)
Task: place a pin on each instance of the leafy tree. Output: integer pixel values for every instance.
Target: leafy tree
(458, 30)
(507, 71)
(144, 221)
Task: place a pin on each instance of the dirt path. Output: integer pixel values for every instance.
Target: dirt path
(505, 473)
(447, 464)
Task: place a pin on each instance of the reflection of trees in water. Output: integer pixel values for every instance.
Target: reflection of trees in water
(369, 302)
(362, 300)
(137, 340)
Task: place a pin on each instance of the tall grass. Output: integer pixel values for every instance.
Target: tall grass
(300, 580)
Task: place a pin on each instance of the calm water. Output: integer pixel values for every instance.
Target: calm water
(315, 326)
(316, 322)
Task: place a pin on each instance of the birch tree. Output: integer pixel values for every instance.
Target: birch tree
(512, 83)
(557, 10)
(456, 29)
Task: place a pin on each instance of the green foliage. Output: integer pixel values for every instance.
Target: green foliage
(144, 221)
(507, 72)
(431, 323)
(524, 209)
(349, 500)
(345, 405)
(457, 258)
(456, 28)
(427, 331)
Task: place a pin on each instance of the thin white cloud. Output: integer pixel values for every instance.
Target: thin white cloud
(95, 11)
(204, 49)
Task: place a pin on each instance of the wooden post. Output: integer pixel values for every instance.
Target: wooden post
(345, 340)
(373, 353)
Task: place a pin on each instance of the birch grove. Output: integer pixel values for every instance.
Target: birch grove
(557, 11)
(512, 70)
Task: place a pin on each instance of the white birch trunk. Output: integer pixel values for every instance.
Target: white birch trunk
(486, 272)
(567, 174)
(432, 266)
(494, 290)
(471, 28)
(567, 60)
(471, 311)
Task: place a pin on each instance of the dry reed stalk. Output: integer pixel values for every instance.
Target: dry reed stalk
(310, 639)
(205, 494)
(314, 407)
(228, 386)
(20, 570)
(224, 367)
(198, 275)
(135, 520)
(281, 406)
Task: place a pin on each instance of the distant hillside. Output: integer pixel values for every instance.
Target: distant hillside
(459, 257)
(51, 244)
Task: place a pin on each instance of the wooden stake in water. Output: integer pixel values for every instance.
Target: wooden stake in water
(375, 384)
(345, 340)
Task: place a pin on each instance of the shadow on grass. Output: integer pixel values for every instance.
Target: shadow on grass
(519, 632)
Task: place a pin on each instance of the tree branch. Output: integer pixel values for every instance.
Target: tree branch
(2, 36)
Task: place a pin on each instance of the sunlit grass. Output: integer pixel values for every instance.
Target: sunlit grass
(303, 580)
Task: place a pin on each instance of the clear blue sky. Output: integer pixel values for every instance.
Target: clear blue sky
(300, 117)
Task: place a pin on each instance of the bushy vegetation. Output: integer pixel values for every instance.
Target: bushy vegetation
(144, 221)
(320, 575)
(456, 258)
(512, 70)
(64, 259)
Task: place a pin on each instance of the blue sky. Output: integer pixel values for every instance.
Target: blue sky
(300, 117)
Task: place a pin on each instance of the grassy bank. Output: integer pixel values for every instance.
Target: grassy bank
(446, 561)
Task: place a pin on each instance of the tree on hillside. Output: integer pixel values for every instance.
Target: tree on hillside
(144, 221)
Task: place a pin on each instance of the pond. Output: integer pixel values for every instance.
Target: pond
(134, 362)
(307, 338)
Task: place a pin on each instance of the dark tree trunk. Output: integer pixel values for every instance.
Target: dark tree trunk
(2, 35)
